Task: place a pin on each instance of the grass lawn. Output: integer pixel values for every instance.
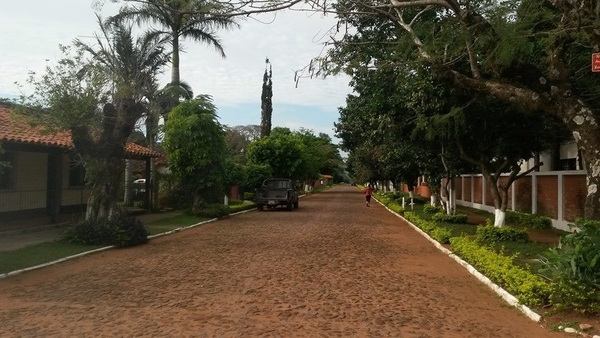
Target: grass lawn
(40, 254)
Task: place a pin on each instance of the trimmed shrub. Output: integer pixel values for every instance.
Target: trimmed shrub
(490, 234)
(456, 219)
(210, 210)
(121, 231)
(430, 209)
(241, 207)
(394, 206)
(441, 235)
(528, 220)
(529, 289)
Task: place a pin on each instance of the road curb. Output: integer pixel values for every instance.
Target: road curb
(510, 299)
(60, 260)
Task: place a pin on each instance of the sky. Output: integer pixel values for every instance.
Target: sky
(33, 30)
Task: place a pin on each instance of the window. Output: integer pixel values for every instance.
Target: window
(568, 164)
(7, 171)
(76, 173)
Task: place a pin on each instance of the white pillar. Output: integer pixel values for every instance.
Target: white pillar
(560, 203)
(472, 189)
(513, 196)
(483, 192)
(533, 193)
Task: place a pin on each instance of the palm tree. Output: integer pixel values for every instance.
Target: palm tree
(190, 19)
(131, 67)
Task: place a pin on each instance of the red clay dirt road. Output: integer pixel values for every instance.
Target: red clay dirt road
(332, 268)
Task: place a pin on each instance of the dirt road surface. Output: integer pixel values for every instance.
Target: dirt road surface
(332, 268)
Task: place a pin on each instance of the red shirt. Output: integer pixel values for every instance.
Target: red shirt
(368, 191)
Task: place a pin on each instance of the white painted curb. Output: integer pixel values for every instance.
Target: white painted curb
(16, 272)
(510, 299)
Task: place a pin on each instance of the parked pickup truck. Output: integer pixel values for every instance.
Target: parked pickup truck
(276, 192)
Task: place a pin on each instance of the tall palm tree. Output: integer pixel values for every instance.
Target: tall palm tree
(191, 19)
(130, 66)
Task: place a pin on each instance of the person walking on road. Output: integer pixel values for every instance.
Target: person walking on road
(368, 193)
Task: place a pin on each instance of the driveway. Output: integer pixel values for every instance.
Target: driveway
(332, 268)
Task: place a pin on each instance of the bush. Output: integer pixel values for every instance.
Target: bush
(575, 267)
(397, 208)
(120, 231)
(529, 289)
(430, 209)
(249, 196)
(528, 220)
(456, 219)
(490, 234)
(210, 210)
(241, 207)
(441, 235)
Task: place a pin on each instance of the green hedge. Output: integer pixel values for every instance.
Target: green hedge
(456, 219)
(440, 234)
(429, 209)
(241, 207)
(490, 234)
(529, 289)
(528, 220)
(121, 231)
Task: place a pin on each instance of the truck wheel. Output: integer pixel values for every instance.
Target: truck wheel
(260, 207)
(296, 204)
(290, 206)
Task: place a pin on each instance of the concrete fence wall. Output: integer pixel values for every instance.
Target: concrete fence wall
(559, 195)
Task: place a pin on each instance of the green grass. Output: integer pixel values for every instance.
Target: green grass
(168, 224)
(39, 254)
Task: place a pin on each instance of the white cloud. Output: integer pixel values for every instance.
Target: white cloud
(290, 41)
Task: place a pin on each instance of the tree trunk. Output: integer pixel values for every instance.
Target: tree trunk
(499, 195)
(175, 61)
(104, 186)
(128, 196)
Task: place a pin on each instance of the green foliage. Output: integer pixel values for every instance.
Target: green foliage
(572, 295)
(491, 234)
(528, 220)
(195, 144)
(395, 206)
(575, 265)
(440, 234)
(457, 218)
(282, 153)
(255, 174)
(429, 209)
(121, 231)
(249, 196)
(529, 289)
(212, 210)
(241, 207)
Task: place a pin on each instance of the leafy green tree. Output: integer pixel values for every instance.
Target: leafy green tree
(195, 145)
(99, 100)
(284, 154)
(266, 101)
(180, 19)
(534, 55)
(238, 138)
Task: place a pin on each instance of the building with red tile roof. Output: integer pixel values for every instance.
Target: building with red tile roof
(43, 179)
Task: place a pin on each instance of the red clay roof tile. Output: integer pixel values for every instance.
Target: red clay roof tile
(15, 129)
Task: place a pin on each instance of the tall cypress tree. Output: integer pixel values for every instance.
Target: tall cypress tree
(266, 101)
